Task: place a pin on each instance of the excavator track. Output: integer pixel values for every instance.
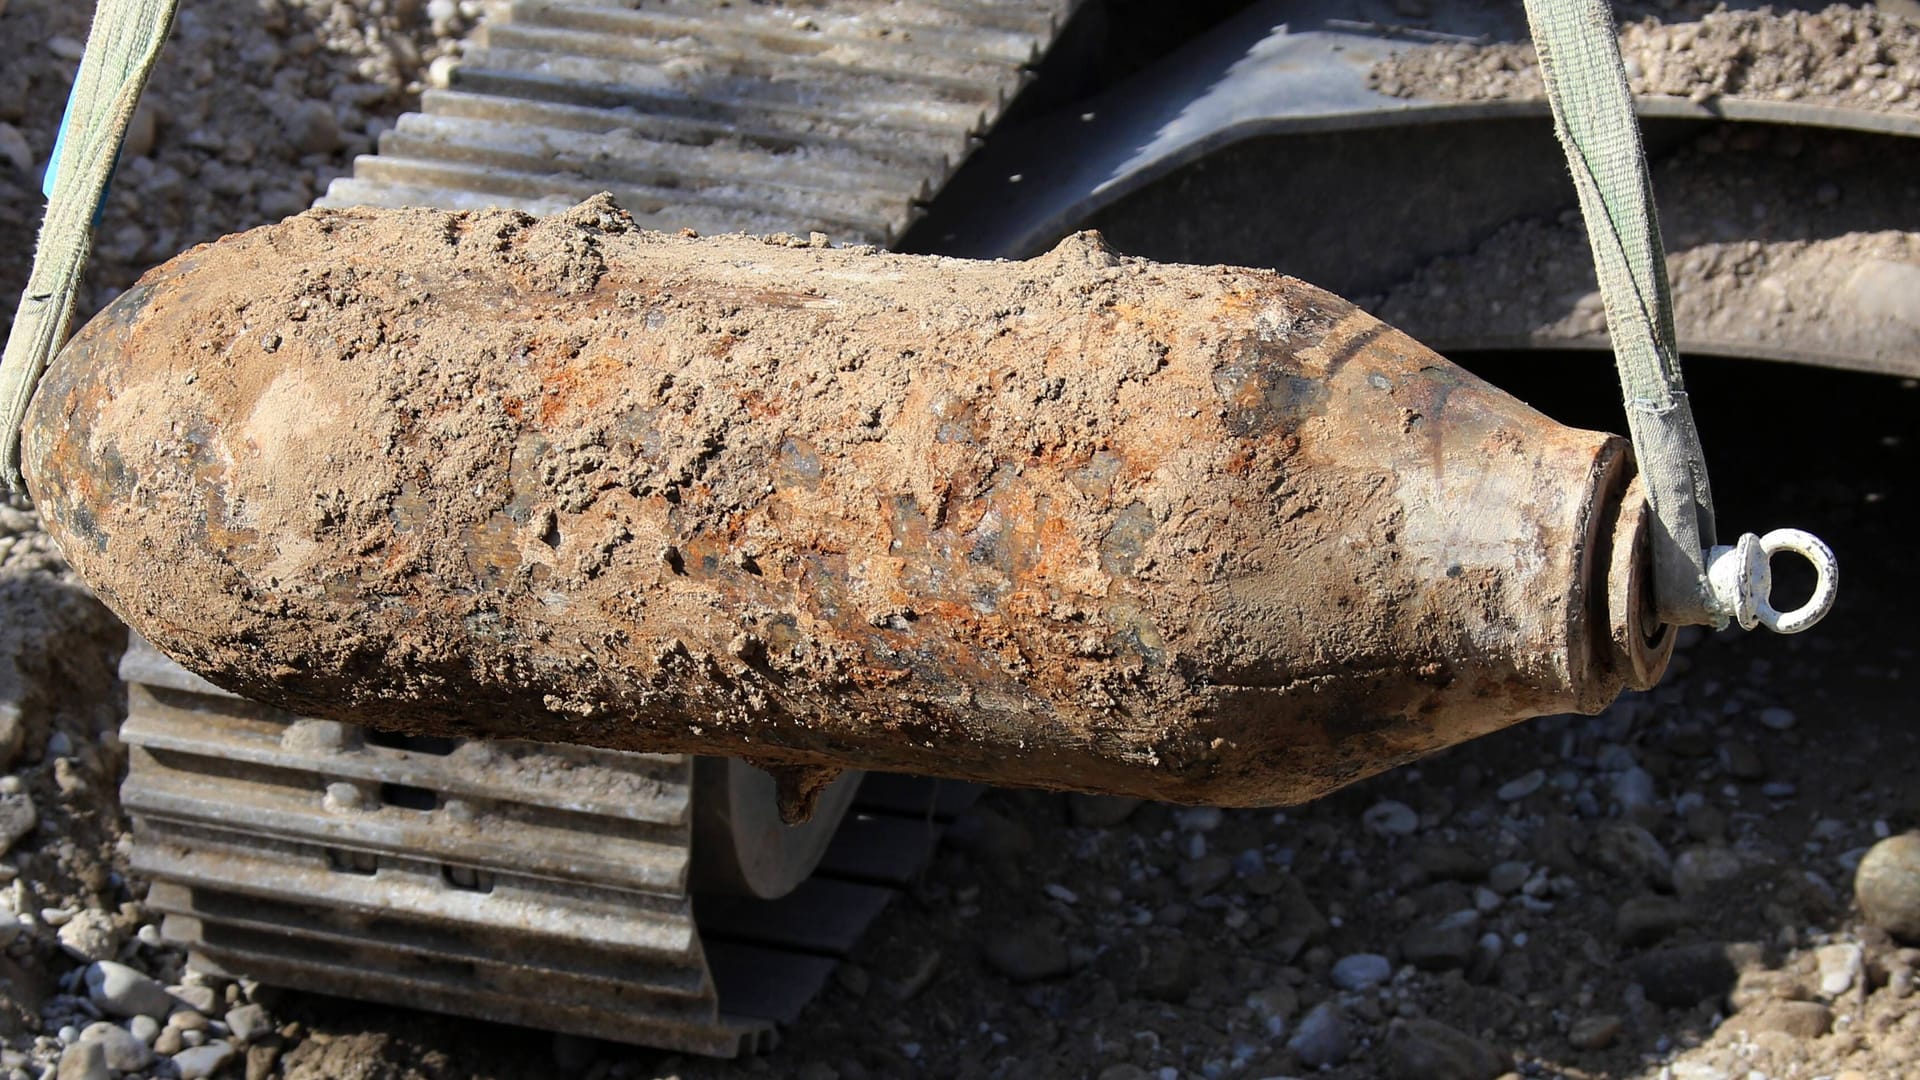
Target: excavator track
(644, 898)
(839, 117)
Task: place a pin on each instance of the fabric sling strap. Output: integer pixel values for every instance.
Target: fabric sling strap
(121, 50)
(1695, 580)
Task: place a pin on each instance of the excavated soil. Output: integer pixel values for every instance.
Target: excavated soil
(1843, 55)
(1781, 242)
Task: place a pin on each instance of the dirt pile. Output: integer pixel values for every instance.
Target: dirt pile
(1845, 55)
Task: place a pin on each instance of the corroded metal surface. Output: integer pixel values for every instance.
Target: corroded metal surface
(1197, 534)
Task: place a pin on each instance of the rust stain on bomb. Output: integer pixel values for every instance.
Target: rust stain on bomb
(1198, 534)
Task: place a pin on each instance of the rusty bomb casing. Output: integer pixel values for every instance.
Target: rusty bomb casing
(1198, 534)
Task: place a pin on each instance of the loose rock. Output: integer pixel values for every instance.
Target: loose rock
(13, 734)
(121, 991)
(1633, 854)
(1443, 943)
(200, 1062)
(1646, 920)
(1698, 870)
(248, 1022)
(1522, 786)
(1323, 1038)
(17, 818)
(1430, 1050)
(1390, 818)
(1595, 1032)
(91, 935)
(1842, 967)
(1361, 971)
(84, 1061)
(1800, 1019)
(1507, 877)
(1684, 976)
(123, 1050)
(1887, 885)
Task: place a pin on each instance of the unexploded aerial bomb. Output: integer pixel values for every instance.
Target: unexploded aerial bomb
(1200, 534)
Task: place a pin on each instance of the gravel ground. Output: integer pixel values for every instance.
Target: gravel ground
(1667, 890)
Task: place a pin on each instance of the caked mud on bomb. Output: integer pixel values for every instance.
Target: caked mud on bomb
(1199, 534)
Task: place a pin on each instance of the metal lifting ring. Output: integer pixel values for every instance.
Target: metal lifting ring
(1740, 580)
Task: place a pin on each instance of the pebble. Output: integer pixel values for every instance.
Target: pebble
(1430, 1050)
(1100, 811)
(121, 991)
(1698, 870)
(1323, 1038)
(17, 818)
(1522, 786)
(15, 151)
(1684, 976)
(1028, 955)
(1361, 971)
(311, 128)
(1595, 1032)
(1841, 966)
(1443, 943)
(169, 1042)
(1633, 854)
(200, 1062)
(1646, 920)
(1507, 878)
(200, 999)
(1390, 818)
(1800, 1019)
(1634, 789)
(144, 1028)
(248, 1022)
(1200, 819)
(1777, 718)
(1887, 886)
(124, 1051)
(83, 1061)
(13, 730)
(1274, 1005)
(91, 935)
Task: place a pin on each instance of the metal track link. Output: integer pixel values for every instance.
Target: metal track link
(837, 118)
(546, 886)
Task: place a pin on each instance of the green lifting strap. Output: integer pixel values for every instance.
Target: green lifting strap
(121, 50)
(1594, 117)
